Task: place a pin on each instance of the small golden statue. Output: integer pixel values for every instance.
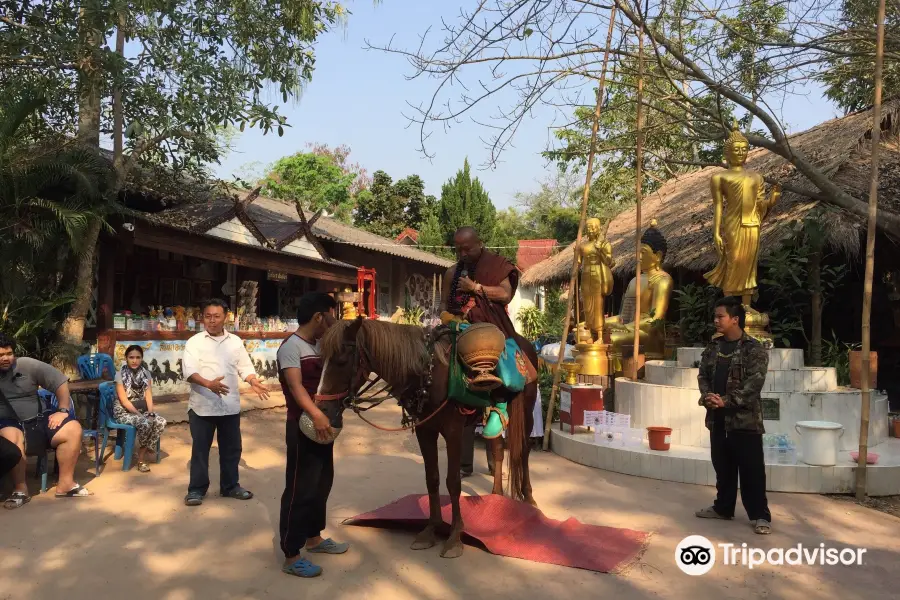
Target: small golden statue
(348, 308)
(656, 289)
(739, 208)
(594, 256)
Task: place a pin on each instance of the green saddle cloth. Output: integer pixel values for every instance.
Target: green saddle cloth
(508, 371)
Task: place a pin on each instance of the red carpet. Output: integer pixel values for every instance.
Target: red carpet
(509, 528)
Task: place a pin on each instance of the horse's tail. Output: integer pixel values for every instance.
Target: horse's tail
(517, 440)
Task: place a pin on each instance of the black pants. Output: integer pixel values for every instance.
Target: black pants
(9, 456)
(739, 454)
(227, 430)
(467, 457)
(307, 484)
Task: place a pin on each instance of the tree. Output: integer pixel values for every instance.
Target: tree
(418, 205)
(463, 202)
(314, 181)
(49, 195)
(195, 66)
(849, 76)
(389, 207)
(704, 63)
(339, 155)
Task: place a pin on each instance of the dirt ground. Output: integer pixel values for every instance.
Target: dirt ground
(135, 539)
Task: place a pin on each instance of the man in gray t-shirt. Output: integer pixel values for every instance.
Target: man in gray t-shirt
(33, 427)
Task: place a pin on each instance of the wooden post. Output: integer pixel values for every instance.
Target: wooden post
(870, 263)
(639, 173)
(554, 390)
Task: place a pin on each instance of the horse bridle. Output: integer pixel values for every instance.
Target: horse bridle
(352, 397)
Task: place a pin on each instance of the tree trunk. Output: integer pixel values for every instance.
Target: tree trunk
(90, 96)
(815, 286)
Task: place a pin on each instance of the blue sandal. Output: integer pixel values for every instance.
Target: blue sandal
(329, 546)
(302, 568)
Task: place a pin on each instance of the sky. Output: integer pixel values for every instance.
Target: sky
(359, 97)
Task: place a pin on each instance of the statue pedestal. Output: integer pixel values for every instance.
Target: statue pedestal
(593, 358)
(757, 326)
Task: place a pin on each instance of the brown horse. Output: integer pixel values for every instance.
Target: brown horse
(404, 358)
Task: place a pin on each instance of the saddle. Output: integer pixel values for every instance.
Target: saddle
(469, 384)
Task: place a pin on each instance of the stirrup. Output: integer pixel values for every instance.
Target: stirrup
(496, 422)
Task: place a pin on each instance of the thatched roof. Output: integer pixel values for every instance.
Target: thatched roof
(683, 205)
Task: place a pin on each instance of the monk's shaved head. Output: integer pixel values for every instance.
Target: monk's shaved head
(466, 232)
(468, 245)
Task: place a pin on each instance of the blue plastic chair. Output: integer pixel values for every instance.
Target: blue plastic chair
(91, 366)
(53, 404)
(124, 444)
(48, 403)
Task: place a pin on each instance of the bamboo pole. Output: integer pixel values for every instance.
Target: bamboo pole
(870, 263)
(554, 390)
(639, 173)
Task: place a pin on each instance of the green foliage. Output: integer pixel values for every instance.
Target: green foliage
(313, 180)
(463, 202)
(49, 194)
(848, 77)
(533, 322)
(554, 311)
(785, 285)
(695, 309)
(836, 353)
(413, 315)
(387, 207)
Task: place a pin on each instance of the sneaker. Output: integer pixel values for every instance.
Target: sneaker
(710, 513)
(193, 499)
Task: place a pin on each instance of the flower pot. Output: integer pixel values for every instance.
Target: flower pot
(819, 442)
(856, 369)
(659, 437)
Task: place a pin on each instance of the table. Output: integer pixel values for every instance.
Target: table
(89, 388)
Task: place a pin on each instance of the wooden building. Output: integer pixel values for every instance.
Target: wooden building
(258, 254)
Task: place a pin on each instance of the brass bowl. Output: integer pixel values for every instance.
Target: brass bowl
(572, 369)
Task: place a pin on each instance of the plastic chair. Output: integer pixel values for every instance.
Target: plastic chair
(124, 444)
(91, 366)
(48, 402)
(53, 404)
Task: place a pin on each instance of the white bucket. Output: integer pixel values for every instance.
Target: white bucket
(818, 442)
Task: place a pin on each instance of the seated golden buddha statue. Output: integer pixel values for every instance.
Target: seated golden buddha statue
(656, 289)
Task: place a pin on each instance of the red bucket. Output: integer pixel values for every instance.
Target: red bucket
(660, 437)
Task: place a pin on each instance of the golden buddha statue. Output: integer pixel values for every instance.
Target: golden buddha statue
(656, 289)
(348, 308)
(739, 208)
(594, 256)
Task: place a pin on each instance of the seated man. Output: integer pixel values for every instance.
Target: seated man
(477, 290)
(25, 422)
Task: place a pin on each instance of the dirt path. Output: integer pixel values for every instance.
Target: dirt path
(135, 539)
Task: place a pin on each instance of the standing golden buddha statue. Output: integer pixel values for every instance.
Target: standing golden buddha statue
(739, 208)
(594, 257)
(656, 291)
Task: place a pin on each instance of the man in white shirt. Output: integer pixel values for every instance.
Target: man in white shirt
(215, 362)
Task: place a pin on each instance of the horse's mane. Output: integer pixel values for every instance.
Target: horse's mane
(396, 352)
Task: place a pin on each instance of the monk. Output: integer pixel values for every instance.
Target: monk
(477, 290)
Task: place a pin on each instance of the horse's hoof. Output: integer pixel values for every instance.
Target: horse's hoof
(452, 549)
(425, 540)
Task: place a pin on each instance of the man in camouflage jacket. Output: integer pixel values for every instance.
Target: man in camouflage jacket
(732, 371)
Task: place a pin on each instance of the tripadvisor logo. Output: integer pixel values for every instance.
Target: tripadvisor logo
(696, 555)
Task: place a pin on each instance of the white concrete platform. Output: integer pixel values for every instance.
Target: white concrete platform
(691, 464)
(652, 404)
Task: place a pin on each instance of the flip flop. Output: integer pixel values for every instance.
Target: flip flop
(301, 568)
(239, 493)
(17, 500)
(762, 527)
(143, 467)
(329, 546)
(75, 492)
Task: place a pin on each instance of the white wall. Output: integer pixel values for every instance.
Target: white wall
(523, 298)
(234, 231)
(302, 247)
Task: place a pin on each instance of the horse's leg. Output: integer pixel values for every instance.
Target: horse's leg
(428, 438)
(452, 431)
(496, 445)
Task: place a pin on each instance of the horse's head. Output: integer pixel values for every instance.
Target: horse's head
(343, 372)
